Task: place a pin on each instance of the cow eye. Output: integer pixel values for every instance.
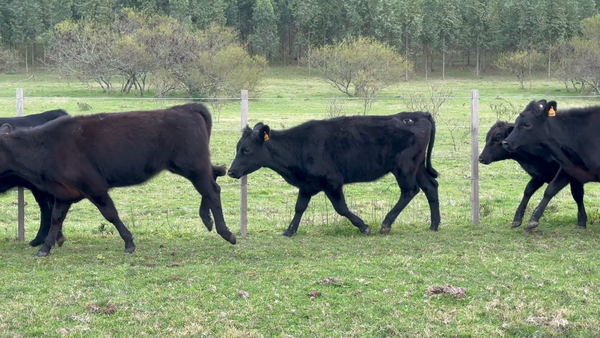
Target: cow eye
(245, 151)
(526, 126)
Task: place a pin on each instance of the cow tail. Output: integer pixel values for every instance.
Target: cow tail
(203, 111)
(217, 170)
(428, 165)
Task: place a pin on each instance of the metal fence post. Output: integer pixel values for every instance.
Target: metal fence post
(244, 180)
(474, 156)
(20, 195)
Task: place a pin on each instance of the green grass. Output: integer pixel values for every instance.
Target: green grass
(185, 281)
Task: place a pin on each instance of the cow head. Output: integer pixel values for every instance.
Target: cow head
(493, 150)
(251, 153)
(530, 132)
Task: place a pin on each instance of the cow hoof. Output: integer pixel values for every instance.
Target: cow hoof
(41, 253)
(581, 227)
(60, 241)
(232, 239)
(36, 242)
(516, 224)
(366, 231)
(130, 248)
(433, 228)
(385, 230)
(532, 225)
(209, 224)
(287, 233)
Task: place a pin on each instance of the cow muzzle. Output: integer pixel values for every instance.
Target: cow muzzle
(233, 174)
(482, 160)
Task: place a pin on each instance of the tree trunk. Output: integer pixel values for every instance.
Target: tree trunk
(477, 63)
(26, 60)
(444, 64)
(549, 60)
(444, 58)
(426, 62)
(406, 58)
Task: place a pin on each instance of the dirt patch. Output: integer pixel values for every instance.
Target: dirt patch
(109, 309)
(449, 290)
(331, 280)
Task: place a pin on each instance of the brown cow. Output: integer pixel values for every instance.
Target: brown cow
(81, 157)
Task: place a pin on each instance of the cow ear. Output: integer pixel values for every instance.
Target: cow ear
(5, 129)
(509, 130)
(264, 133)
(551, 108)
(540, 110)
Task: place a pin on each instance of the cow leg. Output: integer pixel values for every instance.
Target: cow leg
(205, 215)
(336, 196)
(45, 202)
(211, 195)
(577, 193)
(107, 208)
(59, 212)
(558, 183)
(429, 185)
(301, 205)
(534, 184)
(408, 190)
(204, 209)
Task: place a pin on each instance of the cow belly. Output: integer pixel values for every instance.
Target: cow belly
(364, 175)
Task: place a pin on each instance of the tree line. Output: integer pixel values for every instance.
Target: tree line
(432, 34)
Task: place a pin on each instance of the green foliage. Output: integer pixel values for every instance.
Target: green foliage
(138, 46)
(84, 50)
(579, 58)
(359, 66)
(9, 60)
(519, 63)
(213, 63)
(264, 36)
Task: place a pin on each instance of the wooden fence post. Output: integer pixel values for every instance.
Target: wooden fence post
(474, 156)
(20, 195)
(244, 180)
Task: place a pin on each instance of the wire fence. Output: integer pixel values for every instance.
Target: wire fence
(271, 200)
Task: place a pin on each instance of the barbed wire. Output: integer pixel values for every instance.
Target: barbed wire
(204, 99)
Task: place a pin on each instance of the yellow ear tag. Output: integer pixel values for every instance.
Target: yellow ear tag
(551, 112)
(266, 137)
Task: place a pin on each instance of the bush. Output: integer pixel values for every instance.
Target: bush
(519, 63)
(9, 60)
(219, 66)
(359, 67)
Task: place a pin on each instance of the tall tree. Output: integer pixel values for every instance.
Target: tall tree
(448, 28)
(264, 35)
(206, 12)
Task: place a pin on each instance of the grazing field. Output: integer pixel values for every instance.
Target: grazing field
(327, 280)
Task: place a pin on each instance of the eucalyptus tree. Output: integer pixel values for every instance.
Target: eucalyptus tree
(204, 13)
(429, 33)
(448, 29)
(408, 20)
(264, 38)
(480, 28)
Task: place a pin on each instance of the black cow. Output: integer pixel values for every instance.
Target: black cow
(44, 200)
(324, 155)
(540, 166)
(80, 157)
(570, 136)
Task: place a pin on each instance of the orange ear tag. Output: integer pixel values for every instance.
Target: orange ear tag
(266, 137)
(551, 112)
